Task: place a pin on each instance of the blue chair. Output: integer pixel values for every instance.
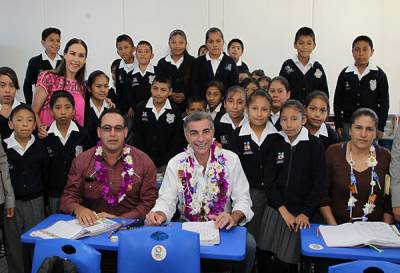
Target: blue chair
(85, 258)
(360, 266)
(158, 249)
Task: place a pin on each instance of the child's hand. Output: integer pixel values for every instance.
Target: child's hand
(42, 132)
(131, 113)
(289, 219)
(302, 221)
(9, 212)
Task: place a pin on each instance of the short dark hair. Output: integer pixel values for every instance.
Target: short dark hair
(111, 111)
(234, 89)
(93, 76)
(282, 80)
(143, 42)
(363, 38)
(247, 81)
(258, 72)
(304, 31)
(162, 79)
(197, 116)
(9, 72)
(258, 93)
(295, 104)
(50, 30)
(217, 84)
(236, 40)
(201, 48)
(364, 112)
(124, 37)
(61, 94)
(214, 30)
(264, 78)
(196, 99)
(317, 94)
(21, 107)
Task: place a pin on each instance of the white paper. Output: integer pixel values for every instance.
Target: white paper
(209, 234)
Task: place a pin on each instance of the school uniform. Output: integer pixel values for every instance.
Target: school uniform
(326, 135)
(28, 171)
(224, 129)
(36, 65)
(218, 112)
(206, 69)
(275, 118)
(5, 130)
(160, 135)
(242, 66)
(294, 176)
(179, 72)
(92, 116)
(251, 151)
(123, 79)
(354, 91)
(61, 152)
(304, 79)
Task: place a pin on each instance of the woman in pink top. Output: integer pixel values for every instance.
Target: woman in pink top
(68, 76)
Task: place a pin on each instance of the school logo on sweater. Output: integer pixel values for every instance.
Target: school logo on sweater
(347, 86)
(247, 148)
(289, 69)
(228, 67)
(170, 118)
(135, 82)
(78, 150)
(372, 85)
(318, 73)
(145, 117)
(120, 79)
(49, 151)
(151, 79)
(280, 158)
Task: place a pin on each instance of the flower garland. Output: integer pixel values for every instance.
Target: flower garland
(370, 204)
(201, 200)
(126, 175)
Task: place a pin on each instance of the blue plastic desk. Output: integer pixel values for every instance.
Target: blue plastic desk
(309, 236)
(232, 246)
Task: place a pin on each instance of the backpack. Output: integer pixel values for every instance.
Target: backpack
(57, 264)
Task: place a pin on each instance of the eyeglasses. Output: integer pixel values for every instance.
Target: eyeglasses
(109, 128)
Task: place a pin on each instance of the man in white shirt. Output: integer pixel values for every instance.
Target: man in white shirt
(203, 180)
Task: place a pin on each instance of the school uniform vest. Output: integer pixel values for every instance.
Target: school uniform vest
(301, 84)
(140, 87)
(122, 87)
(332, 138)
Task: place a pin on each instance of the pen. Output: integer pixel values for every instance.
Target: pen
(317, 231)
(115, 230)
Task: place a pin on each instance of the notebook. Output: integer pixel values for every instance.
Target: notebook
(361, 233)
(209, 234)
(73, 230)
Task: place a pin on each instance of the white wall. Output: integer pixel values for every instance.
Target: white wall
(267, 28)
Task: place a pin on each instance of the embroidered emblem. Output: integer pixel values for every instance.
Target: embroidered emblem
(289, 69)
(170, 118)
(135, 82)
(347, 85)
(224, 140)
(49, 151)
(372, 85)
(247, 148)
(151, 78)
(280, 159)
(78, 150)
(120, 79)
(145, 117)
(228, 67)
(318, 73)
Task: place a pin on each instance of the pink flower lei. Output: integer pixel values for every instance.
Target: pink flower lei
(102, 175)
(201, 202)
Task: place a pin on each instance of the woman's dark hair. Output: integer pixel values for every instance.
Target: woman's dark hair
(21, 107)
(233, 90)
(247, 81)
(295, 104)
(217, 84)
(93, 76)
(320, 95)
(258, 93)
(282, 80)
(61, 69)
(214, 30)
(6, 71)
(364, 112)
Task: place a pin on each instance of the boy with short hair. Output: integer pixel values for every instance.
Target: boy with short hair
(124, 67)
(362, 84)
(47, 60)
(157, 124)
(65, 141)
(195, 104)
(235, 51)
(304, 74)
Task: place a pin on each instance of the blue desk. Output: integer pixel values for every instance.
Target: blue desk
(309, 237)
(232, 246)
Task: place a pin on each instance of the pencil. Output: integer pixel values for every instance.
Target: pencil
(317, 231)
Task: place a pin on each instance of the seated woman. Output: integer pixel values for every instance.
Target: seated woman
(356, 170)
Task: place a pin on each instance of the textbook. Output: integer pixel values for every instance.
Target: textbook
(73, 230)
(209, 234)
(360, 234)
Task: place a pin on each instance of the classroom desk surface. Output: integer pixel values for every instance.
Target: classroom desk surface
(232, 243)
(310, 243)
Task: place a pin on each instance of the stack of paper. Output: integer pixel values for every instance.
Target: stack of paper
(209, 234)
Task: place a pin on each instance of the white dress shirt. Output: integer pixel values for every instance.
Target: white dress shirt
(178, 63)
(53, 62)
(14, 144)
(171, 190)
(150, 104)
(127, 67)
(227, 119)
(246, 130)
(275, 116)
(303, 68)
(322, 131)
(54, 130)
(353, 68)
(214, 62)
(302, 136)
(216, 110)
(103, 107)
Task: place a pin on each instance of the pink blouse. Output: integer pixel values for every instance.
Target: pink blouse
(51, 83)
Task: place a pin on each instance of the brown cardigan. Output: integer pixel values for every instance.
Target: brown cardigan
(336, 191)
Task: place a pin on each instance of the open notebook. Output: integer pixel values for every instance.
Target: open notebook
(73, 230)
(361, 233)
(209, 234)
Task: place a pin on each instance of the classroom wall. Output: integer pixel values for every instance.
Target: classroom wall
(267, 28)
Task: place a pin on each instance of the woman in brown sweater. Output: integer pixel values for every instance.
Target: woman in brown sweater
(356, 171)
